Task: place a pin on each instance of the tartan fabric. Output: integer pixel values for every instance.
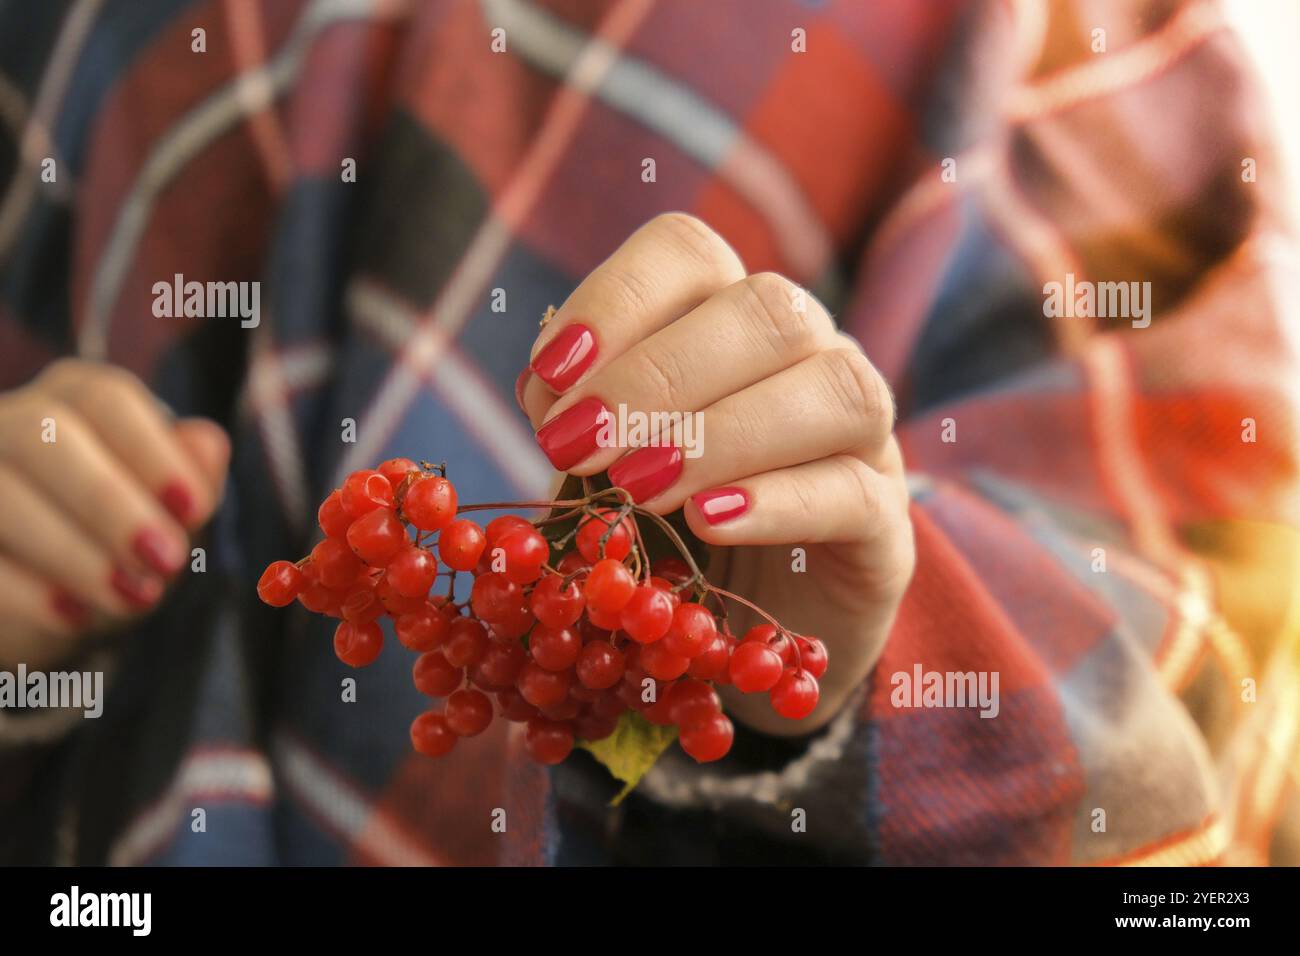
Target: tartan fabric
(520, 171)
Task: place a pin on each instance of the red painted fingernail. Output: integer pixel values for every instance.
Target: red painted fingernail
(177, 499)
(520, 384)
(69, 608)
(571, 435)
(566, 357)
(647, 472)
(721, 504)
(140, 591)
(154, 549)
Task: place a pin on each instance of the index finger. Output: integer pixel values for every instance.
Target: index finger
(662, 271)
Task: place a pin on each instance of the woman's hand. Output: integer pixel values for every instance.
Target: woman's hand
(797, 437)
(100, 492)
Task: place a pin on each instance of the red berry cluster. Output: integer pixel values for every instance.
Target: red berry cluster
(565, 647)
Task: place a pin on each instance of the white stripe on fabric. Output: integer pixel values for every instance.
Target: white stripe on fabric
(220, 773)
(234, 102)
(337, 805)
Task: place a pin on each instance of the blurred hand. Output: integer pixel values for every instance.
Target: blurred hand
(798, 445)
(101, 491)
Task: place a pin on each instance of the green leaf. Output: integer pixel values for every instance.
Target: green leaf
(631, 750)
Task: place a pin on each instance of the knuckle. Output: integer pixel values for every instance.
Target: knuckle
(697, 240)
(667, 379)
(864, 484)
(857, 385)
(22, 423)
(808, 503)
(633, 292)
(110, 387)
(769, 299)
(65, 369)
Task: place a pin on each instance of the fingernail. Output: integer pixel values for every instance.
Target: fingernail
(566, 357)
(176, 498)
(721, 504)
(647, 472)
(69, 608)
(520, 384)
(570, 436)
(154, 549)
(139, 591)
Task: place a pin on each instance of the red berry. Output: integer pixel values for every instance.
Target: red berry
(548, 741)
(377, 536)
(358, 644)
(422, 629)
(661, 663)
(364, 491)
(556, 650)
(692, 701)
(600, 665)
(754, 667)
(333, 518)
(431, 736)
(692, 630)
(494, 596)
(609, 586)
(396, 469)
(497, 527)
(280, 583)
(795, 694)
(434, 675)
(430, 504)
(315, 596)
(335, 563)
(543, 688)
(566, 709)
(712, 664)
(661, 710)
(572, 563)
(708, 740)
(362, 604)
(592, 727)
(605, 620)
(517, 623)
(777, 640)
(411, 573)
(647, 615)
(608, 704)
(618, 541)
(468, 712)
(514, 708)
(467, 642)
(663, 584)
(501, 663)
(461, 544)
(671, 569)
(582, 693)
(555, 607)
(396, 604)
(812, 655)
(524, 551)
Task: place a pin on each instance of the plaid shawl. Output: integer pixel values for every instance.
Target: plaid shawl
(1124, 735)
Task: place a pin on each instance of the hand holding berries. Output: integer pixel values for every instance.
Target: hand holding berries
(798, 450)
(565, 644)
